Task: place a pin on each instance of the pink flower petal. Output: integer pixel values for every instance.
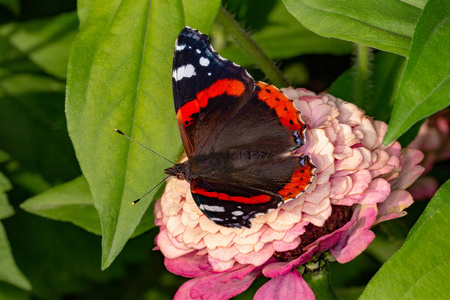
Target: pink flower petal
(221, 286)
(290, 286)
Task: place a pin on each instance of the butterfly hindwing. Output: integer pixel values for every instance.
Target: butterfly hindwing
(230, 205)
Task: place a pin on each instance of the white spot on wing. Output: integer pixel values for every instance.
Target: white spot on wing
(186, 71)
(209, 74)
(180, 47)
(198, 51)
(212, 208)
(216, 219)
(204, 61)
(237, 213)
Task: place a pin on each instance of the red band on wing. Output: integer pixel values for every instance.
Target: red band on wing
(301, 178)
(230, 87)
(284, 107)
(222, 196)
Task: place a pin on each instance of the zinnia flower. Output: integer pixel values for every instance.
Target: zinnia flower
(358, 184)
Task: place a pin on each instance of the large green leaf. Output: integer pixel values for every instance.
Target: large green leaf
(425, 85)
(285, 37)
(120, 77)
(45, 41)
(419, 270)
(387, 25)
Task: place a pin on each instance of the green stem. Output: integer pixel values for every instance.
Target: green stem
(362, 75)
(320, 283)
(233, 28)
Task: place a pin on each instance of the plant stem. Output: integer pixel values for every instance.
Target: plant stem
(362, 75)
(233, 28)
(320, 284)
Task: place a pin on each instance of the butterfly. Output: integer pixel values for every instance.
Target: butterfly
(238, 133)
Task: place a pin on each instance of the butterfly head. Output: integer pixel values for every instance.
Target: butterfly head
(181, 171)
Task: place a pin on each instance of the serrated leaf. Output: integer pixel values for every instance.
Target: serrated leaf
(425, 84)
(419, 270)
(386, 25)
(9, 272)
(120, 77)
(45, 41)
(284, 37)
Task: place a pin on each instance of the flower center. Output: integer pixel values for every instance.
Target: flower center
(340, 215)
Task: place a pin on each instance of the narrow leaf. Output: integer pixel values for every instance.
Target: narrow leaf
(425, 84)
(386, 25)
(9, 272)
(419, 270)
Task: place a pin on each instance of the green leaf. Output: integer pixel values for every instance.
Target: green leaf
(419, 270)
(72, 202)
(284, 37)
(425, 85)
(45, 41)
(200, 14)
(119, 76)
(6, 210)
(32, 110)
(9, 272)
(386, 25)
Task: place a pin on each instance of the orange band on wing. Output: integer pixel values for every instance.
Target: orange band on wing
(283, 106)
(300, 179)
(230, 87)
(225, 197)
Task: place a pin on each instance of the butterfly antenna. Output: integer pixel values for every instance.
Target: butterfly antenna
(120, 132)
(136, 201)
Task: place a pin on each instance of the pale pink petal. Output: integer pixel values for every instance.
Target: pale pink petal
(290, 286)
(223, 286)
(393, 207)
(358, 237)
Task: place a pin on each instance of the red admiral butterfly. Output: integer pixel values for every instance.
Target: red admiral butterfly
(238, 135)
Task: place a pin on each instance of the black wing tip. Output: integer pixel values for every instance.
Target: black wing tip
(189, 32)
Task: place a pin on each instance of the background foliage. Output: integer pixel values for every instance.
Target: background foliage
(67, 179)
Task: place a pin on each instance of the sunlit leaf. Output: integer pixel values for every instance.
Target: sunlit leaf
(386, 25)
(120, 77)
(419, 270)
(425, 84)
